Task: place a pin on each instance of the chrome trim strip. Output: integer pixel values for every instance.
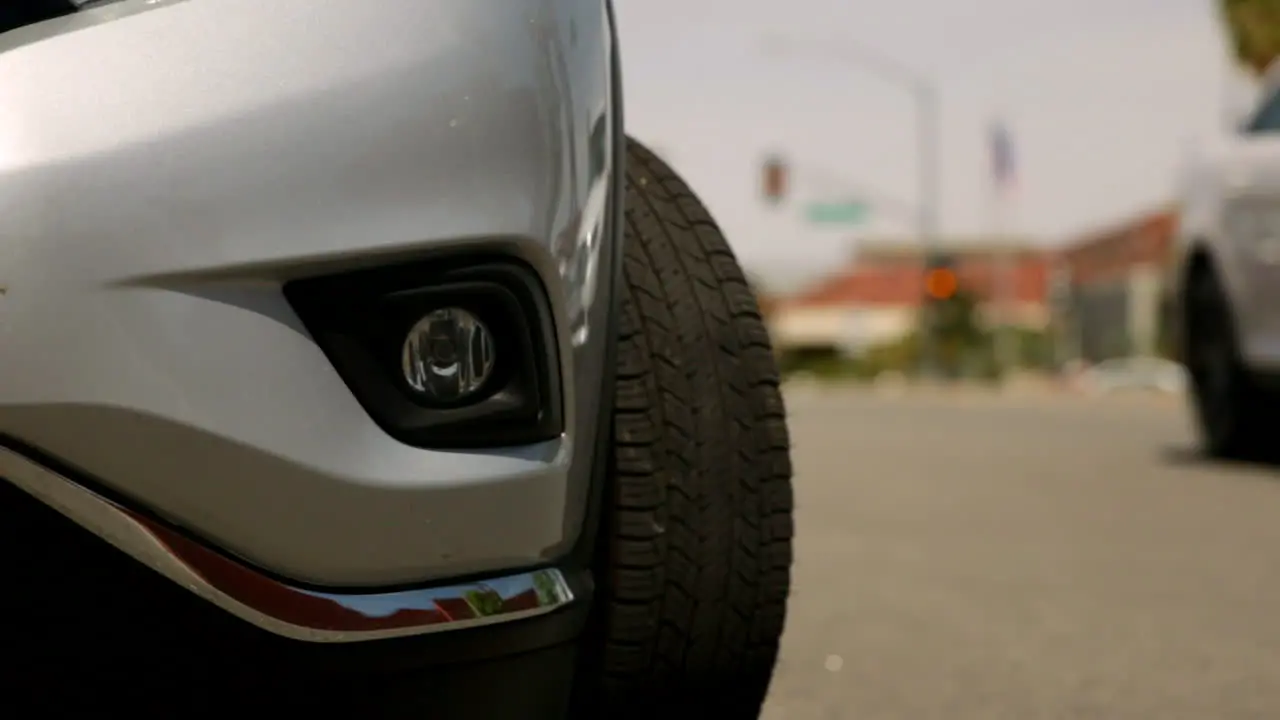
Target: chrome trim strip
(279, 608)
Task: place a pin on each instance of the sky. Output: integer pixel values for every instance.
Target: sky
(1103, 99)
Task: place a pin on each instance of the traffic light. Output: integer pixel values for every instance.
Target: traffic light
(949, 320)
(941, 283)
(940, 280)
(774, 179)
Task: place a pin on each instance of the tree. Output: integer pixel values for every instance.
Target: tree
(1254, 29)
(547, 587)
(957, 331)
(950, 315)
(485, 601)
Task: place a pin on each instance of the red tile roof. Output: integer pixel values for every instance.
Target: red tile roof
(899, 285)
(527, 600)
(1105, 255)
(892, 274)
(866, 286)
(456, 608)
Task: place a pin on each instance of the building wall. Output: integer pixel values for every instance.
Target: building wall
(1101, 320)
(1116, 283)
(1145, 293)
(851, 328)
(981, 269)
(1104, 256)
(1119, 317)
(1026, 315)
(854, 328)
(877, 299)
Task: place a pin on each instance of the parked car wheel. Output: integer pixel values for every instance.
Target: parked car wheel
(696, 552)
(1228, 405)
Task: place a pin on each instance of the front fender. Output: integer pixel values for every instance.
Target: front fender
(166, 167)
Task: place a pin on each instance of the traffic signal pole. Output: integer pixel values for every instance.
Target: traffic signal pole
(928, 157)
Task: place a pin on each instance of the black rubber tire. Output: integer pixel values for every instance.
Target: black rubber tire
(14, 15)
(696, 541)
(1231, 410)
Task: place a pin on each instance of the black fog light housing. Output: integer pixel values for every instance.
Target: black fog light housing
(443, 354)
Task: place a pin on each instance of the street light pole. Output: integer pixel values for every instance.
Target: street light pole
(930, 191)
(928, 157)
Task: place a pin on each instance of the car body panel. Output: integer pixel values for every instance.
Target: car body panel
(195, 157)
(1230, 214)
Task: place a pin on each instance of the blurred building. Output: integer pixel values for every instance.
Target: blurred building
(877, 297)
(766, 301)
(1110, 300)
(1100, 295)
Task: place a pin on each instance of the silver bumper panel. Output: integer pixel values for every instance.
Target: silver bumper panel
(273, 605)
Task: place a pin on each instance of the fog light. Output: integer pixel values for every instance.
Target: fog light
(448, 355)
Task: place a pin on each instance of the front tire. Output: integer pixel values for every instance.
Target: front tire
(1230, 408)
(696, 543)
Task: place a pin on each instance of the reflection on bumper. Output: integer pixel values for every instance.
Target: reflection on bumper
(276, 606)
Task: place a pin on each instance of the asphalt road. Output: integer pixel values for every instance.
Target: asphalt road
(968, 558)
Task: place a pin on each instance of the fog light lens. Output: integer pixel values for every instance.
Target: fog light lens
(448, 355)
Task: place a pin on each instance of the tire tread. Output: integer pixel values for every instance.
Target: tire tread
(698, 564)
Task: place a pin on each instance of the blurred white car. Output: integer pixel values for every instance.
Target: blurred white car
(1226, 282)
(1133, 373)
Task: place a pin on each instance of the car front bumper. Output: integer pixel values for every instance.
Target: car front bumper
(192, 159)
(275, 605)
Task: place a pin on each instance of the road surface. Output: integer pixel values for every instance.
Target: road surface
(970, 558)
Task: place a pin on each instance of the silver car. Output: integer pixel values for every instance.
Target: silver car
(352, 358)
(1226, 281)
